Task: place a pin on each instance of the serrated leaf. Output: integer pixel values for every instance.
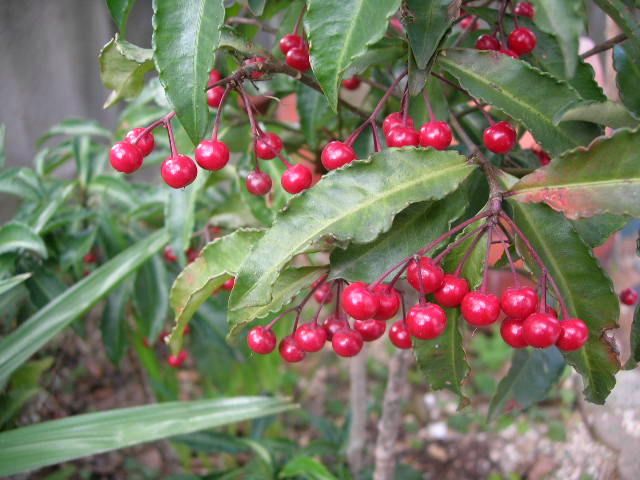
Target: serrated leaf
(579, 185)
(339, 31)
(120, 10)
(611, 114)
(628, 67)
(596, 230)
(513, 86)
(185, 35)
(16, 236)
(314, 112)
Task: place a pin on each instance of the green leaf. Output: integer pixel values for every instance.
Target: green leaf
(179, 214)
(76, 127)
(22, 182)
(625, 17)
(628, 67)
(532, 374)
(151, 296)
(23, 386)
(123, 66)
(114, 322)
(17, 236)
(18, 346)
(578, 185)
(256, 6)
(185, 35)
(49, 207)
(513, 86)
(56, 441)
(340, 31)
(634, 358)
(120, 10)
(303, 466)
(585, 288)
(611, 114)
(314, 112)
(355, 203)
(9, 283)
(596, 230)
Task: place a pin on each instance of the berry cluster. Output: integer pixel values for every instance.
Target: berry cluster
(521, 41)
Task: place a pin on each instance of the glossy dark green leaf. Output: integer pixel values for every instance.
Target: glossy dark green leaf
(185, 35)
(628, 67)
(120, 10)
(303, 466)
(16, 236)
(610, 114)
(596, 230)
(114, 322)
(314, 112)
(151, 297)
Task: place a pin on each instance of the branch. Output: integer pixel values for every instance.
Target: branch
(606, 45)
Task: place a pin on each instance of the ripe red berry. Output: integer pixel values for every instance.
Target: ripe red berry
(452, 291)
(323, 293)
(268, 146)
(256, 74)
(179, 171)
(400, 336)
(347, 342)
(229, 284)
(261, 340)
(90, 257)
(544, 157)
(629, 296)
(512, 332)
(480, 309)
(359, 302)
(370, 329)
(525, 9)
(192, 254)
(500, 137)
(212, 154)
(574, 333)
(469, 23)
(389, 301)
(336, 154)
(177, 360)
(519, 302)
(487, 42)
(289, 41)
(214, 96)
(125, 158)
(431, 275)
(298, 58)
(510, 53)
(214, 76)
(427, 321)
(170, 254)
(332, 324)
(403, 137)
(310, 337)
(351, 83)
(395, 120)
(296, 179)
(259, 183)
(436, 134)
(541, 330)
(522, 41)
(552, 311)
(145, 143)
(290, 351)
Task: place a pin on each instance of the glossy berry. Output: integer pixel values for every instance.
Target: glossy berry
(431, 275)
(145, 143)
(212, 154)
(512, 332)
(298, 58)
(519, 302)
(436, 134)
(214, 96)
(487, 42)
(347, 342)
(177, 360)
(296, 179)
(370, 329)
(259, 183)
(170, 254)
(510, 53)
(214, 76)
(351, 83)
(500, 137)
(261, 340)
(323, 293)
(290, 351)
(403, 137)
(400, 336)
(541, 330)
(310, 337)
(359, 302)
(480, 309)
(336, 154)
(544, 157)
(522, 41)
(255, 75)
(125, 158)
(289, 41)
(427, 321)
(452, 291)
(629, 296)
(574, 333)
(389, 301)
(229, 284)
(552, 311)
(395, 120)
(179, 171)
(268, 146)
(525, 9)
(332, 324)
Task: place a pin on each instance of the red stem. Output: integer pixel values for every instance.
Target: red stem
(218, 120)
(172, 140)
(485, 274)
(456, 243)
(512, 266)
(467, 255)
(163, 121)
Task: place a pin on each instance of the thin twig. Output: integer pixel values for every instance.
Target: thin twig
(604, 46)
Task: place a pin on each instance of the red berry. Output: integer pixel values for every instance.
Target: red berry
(177, 360)
(403, 137)
(512, 332)
(431, 275)
(347, 342)
(229, 284)
(480, 309)
(323, 293)
(290, 351)
(400, 336)
(214, 96)
(469, 23)
(574, 333)
(436, 134)
(351, 83)
(510, 53)
(370, 329)
(261, 340)
(145, 143)
(525, 9)
(541, 330)
(259, 183)
(389, 301)
(170, 254)
(427, 321)
(336, 154)
(500, 137)
(212, 154)
(179, 171)
(90, 257)
(487, 42)
(395, 120)
(359, 302)
(268, 146)
(310, 337)
(214, 76)
(452, 291)
(522, 41)
(256, 74)
(125, 158)
(296, 179)
(332, 324)
(552, 311)
(519, 302)
(544, 157)
(289, 41)
(629, 296)
(298, 58)
(192, 254)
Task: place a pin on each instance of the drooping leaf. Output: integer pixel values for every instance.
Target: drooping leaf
(628, 67)
(340, 31)
(611, 114)
(120, 10)
(596, 230)
(56, 441)
(625, 17)
(16, 236)
(151, 296)
(49, 207)
(9, 283)
(513, 86)
(114, 322)
(22, 182)
(314, 112)
(603, 178)
(76, 127)
(185, 35)
(303, 466)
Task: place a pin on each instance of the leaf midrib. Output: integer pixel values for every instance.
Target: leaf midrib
(577, 186)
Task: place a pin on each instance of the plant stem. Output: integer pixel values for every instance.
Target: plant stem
(606, 45)
(467, 255)
(163, 121)
(480, 230)
(172, 139)
(512, 266)
(485, 275)
(218, 120)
